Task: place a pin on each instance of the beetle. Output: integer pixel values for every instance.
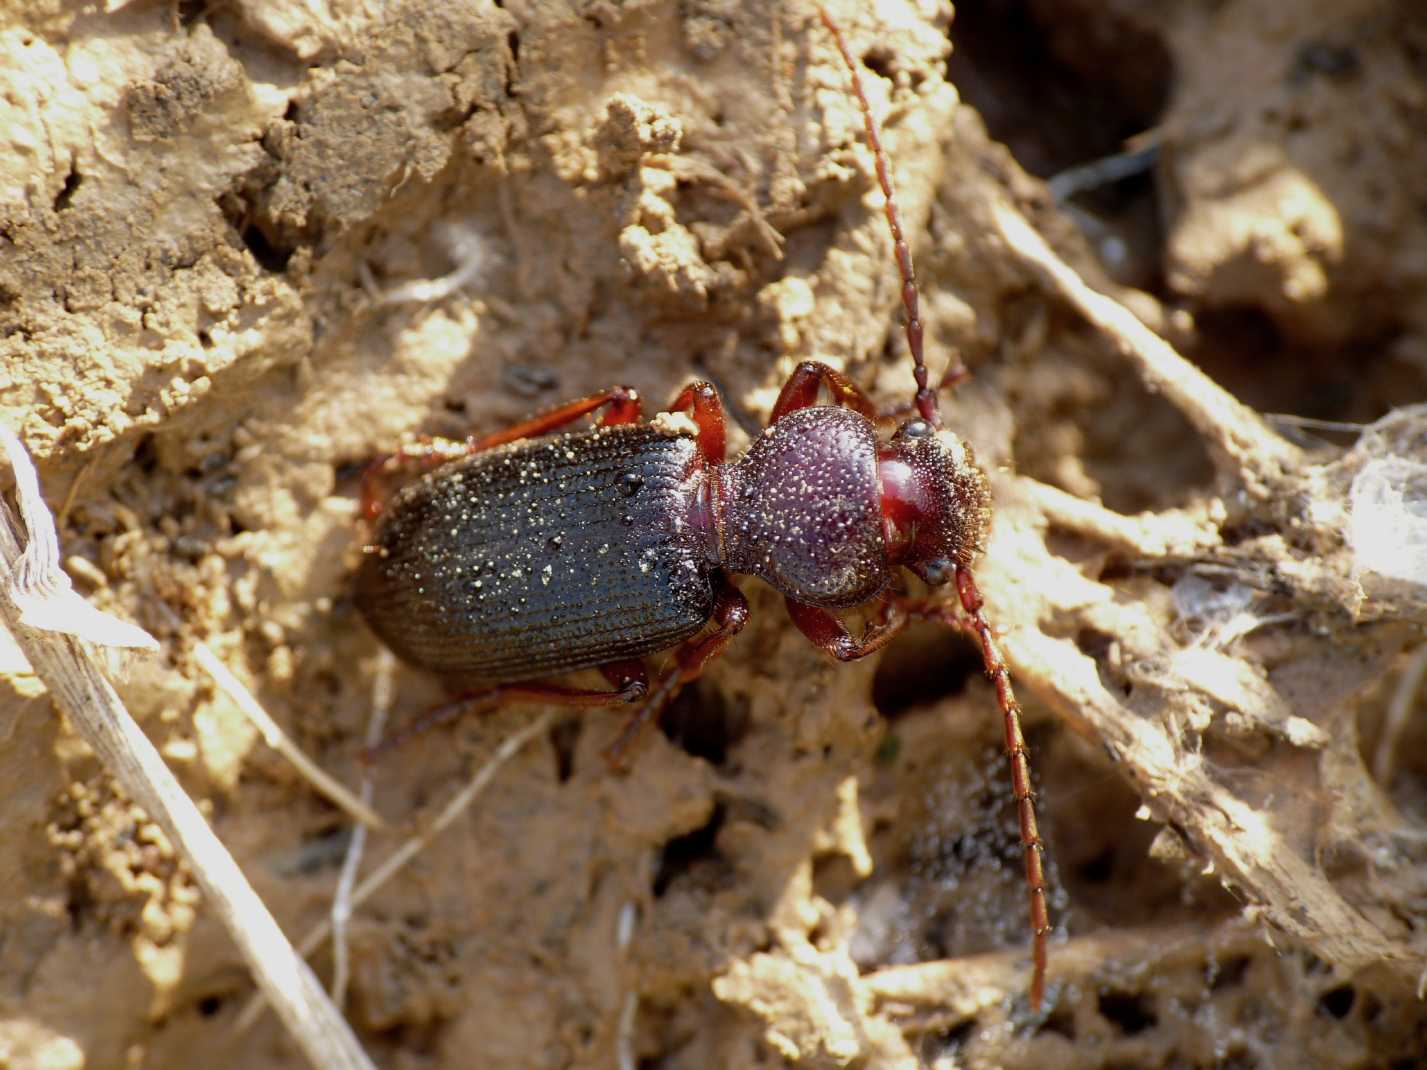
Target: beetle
(525, 554)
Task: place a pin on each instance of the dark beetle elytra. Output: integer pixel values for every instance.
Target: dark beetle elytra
(544, 556)
(523, 557)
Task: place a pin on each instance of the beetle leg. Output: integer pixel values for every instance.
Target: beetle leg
(829, 634)
(730, 614)
(801, 391)
(624, 407)
(628, 691)
(422, 455)
(701, 400)
(630, 681)
(954, 376)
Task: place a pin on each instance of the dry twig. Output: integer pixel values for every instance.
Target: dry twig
(1257, 455)
(71, 672)
(326, 784)
(403, 855)
(342, 907)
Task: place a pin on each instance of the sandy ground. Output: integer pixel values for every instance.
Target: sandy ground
(245, 247)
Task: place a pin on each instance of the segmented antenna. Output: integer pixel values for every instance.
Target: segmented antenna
(969, 595)
(1019, 757)
(926, 397)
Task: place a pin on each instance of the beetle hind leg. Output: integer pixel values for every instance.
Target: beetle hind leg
(622, 405)
(630, 680)
(730, 614)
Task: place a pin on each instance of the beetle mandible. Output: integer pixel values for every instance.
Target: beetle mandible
(517, 557)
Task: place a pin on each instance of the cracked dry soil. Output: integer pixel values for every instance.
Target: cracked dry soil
(246, 246)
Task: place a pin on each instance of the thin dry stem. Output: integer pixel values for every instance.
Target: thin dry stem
(1399, 715)
(410, 848)
(79, 688)
(1247, 850)
(629, 1008)
(1173, 533)
(941, 994)
(1257, 455)
(383, 683)
(280, 741)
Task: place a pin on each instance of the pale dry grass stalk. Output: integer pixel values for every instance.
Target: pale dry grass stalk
(410, 848)
(323, 782)
(383, 684)
(1256, 454)
(48, 620)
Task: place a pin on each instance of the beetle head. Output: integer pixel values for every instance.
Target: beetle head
(936, 505)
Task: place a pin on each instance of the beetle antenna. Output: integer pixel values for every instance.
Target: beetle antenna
(1019, 756)
(926, 400)
(970, 595)
(974, 621)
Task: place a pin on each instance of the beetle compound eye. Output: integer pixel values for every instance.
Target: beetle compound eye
(937, 571)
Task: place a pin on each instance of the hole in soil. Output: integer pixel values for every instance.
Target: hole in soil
(925, 663)
(271, 256)
(949, 1041)
(1337, 1002)
(77, 904)
(1092, 643)
(879, 62)
(190, 11)
(1131, 1014)
(684, 852)
(1229, 973)
(271, 253)
(1098, 869)
(564, 738)
(1058, 89)
(1061, 1023)
(72, 182)
(1244, 351)
(703, 723)
(145, 456)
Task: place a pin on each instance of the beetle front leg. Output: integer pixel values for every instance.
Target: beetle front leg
(954, 376)
(701, 401)
(829, 634)
(730, 614)
(801, 391)
(621, 403)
